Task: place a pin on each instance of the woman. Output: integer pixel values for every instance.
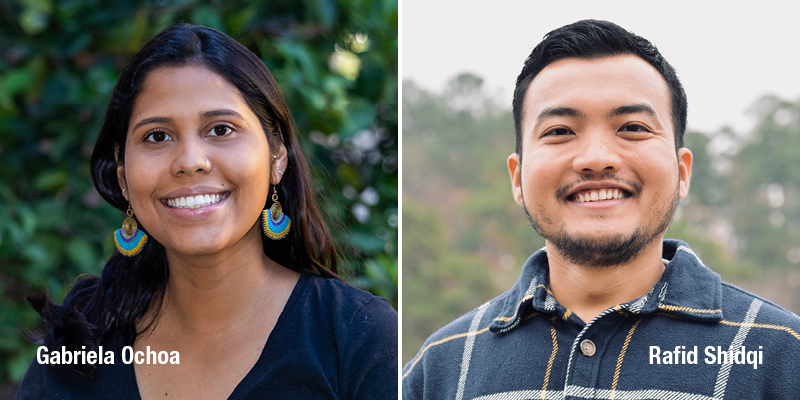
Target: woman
(225, 284)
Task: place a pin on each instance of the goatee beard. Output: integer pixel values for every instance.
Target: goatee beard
(608, 251)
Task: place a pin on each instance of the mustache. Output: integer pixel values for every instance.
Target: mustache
(561, 192)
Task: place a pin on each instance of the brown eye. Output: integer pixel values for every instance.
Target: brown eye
(220, 130)
(634, 128)
(158, 137)
(558, 132)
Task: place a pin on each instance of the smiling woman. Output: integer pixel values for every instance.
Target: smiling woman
(226, 270)
(187, 145)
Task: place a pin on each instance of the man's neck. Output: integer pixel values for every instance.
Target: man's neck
(587, 291)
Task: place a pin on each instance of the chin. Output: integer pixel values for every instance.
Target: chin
(196, 249)
(603, 250)
(602, 234)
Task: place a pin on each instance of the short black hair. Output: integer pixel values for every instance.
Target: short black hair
(596, 39)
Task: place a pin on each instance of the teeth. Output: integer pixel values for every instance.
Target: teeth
(598, 195)
(198, 201)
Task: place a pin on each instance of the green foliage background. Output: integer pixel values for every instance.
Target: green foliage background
(465, 239)
(336, 63)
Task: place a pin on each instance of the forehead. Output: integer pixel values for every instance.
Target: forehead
(185, 89)
(597, 84)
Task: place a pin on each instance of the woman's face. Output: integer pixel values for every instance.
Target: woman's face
(197, 162)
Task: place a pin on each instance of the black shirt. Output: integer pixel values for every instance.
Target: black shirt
(331, 341)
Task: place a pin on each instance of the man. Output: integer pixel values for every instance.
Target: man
(608, 309)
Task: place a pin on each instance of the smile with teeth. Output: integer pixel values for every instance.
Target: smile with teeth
(201, 200)
(599, 195)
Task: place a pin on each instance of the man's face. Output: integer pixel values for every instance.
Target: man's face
(599, 176)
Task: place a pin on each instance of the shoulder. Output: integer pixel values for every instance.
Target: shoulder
(342, 300)
(364, 328)
(764, 320)
(769, 329)
(352, 314)
(43, 381)
(113, 380)
(32, 385)
(440, 341)
(476, 321)
(739, 305)
(440, 356)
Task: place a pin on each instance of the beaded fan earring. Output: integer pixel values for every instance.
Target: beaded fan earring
(129, 239)
(276, 224)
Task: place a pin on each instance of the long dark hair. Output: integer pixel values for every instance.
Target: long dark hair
(98, 308)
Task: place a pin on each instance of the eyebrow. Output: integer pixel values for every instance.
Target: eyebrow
(632, 109)
(151, 120)
(224, 112)
(204, 115)
(559, 112)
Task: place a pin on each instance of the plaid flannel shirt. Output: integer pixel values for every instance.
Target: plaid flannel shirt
(691, 337)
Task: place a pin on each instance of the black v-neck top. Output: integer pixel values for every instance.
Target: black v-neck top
(331, 341)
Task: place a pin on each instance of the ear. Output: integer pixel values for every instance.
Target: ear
(279, 160)
(123, 184)
(684, 171)
(515, 172)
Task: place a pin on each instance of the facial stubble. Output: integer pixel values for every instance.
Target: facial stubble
(607, 251)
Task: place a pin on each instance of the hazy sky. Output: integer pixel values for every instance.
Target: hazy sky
(727, 54)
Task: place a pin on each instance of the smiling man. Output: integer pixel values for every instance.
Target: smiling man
(609, 308)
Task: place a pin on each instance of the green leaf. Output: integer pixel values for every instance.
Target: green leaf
(367, 242)
(33, 21)
(52, 181)
(16, 81)
(80, 253)
(204, 15)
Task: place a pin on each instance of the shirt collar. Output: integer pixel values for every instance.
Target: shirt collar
(687, 289)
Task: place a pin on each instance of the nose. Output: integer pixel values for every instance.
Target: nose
(597, 153)
(190, 157)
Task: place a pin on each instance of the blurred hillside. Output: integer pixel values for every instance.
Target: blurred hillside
(336, 64)
(465, 239)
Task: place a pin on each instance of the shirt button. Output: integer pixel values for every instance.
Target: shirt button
(588, 348)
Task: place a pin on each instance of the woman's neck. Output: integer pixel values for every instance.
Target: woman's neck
(219, 293)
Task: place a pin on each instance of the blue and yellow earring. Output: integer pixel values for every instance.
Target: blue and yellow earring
(276, 223)
(129, 239)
